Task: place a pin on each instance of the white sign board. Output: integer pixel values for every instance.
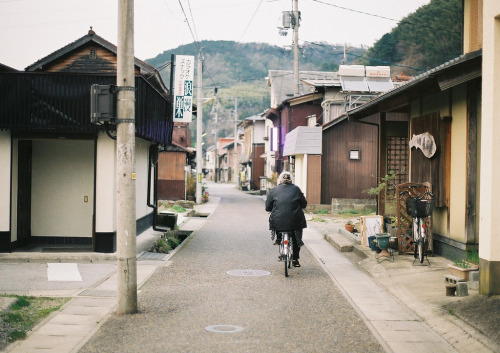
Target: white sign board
(183, 88)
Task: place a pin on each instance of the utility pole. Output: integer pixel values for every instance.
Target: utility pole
(125, 159)
(199, 127)
(296, 46)
(216, 138)
(235, 154)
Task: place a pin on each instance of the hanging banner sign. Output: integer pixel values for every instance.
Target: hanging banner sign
(183, 88)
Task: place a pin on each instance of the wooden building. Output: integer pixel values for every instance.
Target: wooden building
(60, 178)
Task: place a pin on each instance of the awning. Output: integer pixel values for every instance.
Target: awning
(303, 140)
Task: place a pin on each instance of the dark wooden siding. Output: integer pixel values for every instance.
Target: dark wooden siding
(80, 60)
(299, 114)
(60, 103)
(314, 179)
(171, 185)
(429, 170)
(257, 165)
(342, 177)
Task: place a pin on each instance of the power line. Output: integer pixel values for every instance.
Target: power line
(195, 40)
(403, 21)
(357, 11)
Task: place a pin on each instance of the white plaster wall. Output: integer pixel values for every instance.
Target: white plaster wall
(105, 184)
(489, 222)
(62, 188)
(5, 165)
(259, 128)
(301, 172)
(270, 160)
(141, 186)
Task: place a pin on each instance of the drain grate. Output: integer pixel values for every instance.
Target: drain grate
(224, 328)
(151, 256)
(248, 273)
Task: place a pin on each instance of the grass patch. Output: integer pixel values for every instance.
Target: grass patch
(177, 208)
(322, 211)
(348, 213)
(317, 219)
(473, 256)
(24, 314)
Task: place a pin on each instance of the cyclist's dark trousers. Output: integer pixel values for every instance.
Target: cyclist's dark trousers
(296, 249)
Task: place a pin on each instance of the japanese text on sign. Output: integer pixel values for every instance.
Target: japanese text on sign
(183, 88)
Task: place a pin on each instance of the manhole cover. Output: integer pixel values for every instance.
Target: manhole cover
(248, 273)
(224, 328)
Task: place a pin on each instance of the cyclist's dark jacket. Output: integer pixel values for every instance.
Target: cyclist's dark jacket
(285, 202)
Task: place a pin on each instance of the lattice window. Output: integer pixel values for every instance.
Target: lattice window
(397, 160)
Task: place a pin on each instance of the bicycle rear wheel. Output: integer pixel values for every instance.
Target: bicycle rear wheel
(416, 237)
(421, 249)
(286, 265)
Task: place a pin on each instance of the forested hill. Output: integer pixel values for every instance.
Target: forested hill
(425, 39)
(239, 70)
(228, 62)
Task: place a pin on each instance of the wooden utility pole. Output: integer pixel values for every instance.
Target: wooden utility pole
(199, 132)
(235, 153)
(125, 161)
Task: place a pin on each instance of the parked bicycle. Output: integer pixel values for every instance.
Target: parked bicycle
(286, 249)
(419, 208)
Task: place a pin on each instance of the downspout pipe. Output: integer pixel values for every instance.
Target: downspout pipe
(349, 118)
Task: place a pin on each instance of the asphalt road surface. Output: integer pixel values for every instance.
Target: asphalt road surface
(225, 291)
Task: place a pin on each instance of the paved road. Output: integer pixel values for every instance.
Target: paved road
(204, 299)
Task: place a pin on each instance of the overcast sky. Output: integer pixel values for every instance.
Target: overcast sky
(33, 29)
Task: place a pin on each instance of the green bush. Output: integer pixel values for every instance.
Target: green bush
(162, 246)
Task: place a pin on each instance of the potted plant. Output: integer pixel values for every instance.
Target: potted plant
(385, 192)
(383, 243)
(462, 268)
(349, 226)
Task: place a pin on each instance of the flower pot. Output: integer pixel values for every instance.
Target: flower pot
(383, 240)
(349, 227)
(460, 272)
(371, 244)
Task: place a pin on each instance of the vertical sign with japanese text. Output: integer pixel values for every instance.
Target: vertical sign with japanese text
(183, 88)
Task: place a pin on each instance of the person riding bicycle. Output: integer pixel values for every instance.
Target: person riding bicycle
(285, 202)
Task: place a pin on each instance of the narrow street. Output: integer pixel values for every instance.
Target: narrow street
(224, 291)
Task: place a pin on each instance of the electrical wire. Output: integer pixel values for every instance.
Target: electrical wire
(403, 21)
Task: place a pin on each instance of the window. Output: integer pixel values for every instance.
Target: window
(93, 53)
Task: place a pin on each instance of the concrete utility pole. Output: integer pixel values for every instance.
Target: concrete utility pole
(216, 176)
(199, 127)
(235, 154)
(296, 46)
(125, 159)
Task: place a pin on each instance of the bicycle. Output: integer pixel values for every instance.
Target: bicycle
(419, 208)
(286, 249)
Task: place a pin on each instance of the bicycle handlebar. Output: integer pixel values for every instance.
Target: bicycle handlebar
(419, 198)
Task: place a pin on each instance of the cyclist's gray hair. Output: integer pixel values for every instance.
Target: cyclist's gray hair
(285, 178)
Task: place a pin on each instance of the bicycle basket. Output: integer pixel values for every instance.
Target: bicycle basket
(419, 207)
